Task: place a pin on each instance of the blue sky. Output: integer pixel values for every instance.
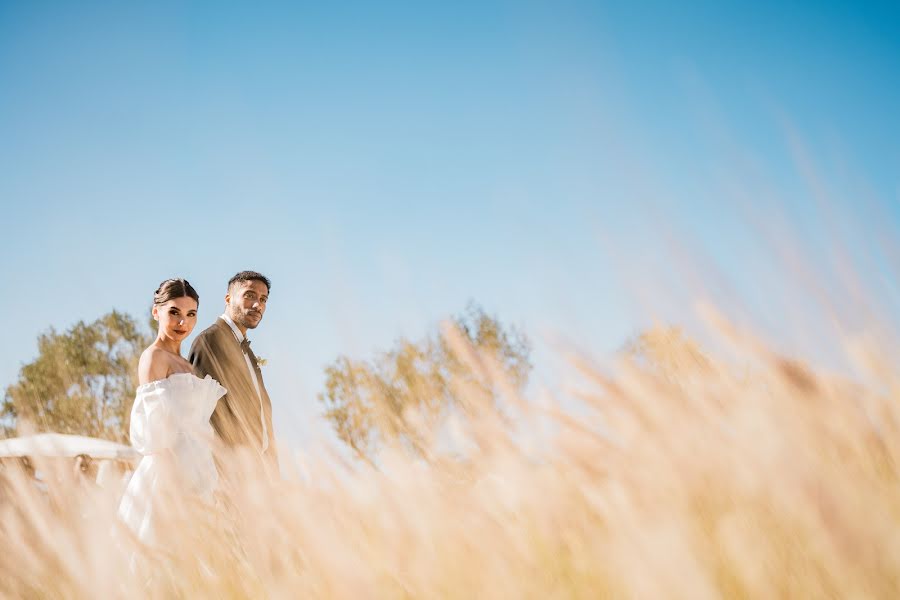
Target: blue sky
(384, 163)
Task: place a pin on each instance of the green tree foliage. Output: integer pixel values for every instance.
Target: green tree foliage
(369, 403)
(82, 382)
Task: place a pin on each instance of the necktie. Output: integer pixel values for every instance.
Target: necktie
(245, 345)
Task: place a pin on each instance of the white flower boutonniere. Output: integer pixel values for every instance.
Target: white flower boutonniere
(261, 362)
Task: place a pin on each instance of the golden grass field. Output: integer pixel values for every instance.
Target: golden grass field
(756, 477)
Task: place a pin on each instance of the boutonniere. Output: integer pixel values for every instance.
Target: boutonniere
(261, 362)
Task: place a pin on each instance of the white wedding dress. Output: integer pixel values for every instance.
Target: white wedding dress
(170, 428)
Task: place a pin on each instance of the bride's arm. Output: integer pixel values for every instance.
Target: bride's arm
(151, 429)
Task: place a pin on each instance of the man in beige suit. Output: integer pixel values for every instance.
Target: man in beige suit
(243, 417)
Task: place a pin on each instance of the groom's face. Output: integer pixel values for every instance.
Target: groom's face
(246, 302)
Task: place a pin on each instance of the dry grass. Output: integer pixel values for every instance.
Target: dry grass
(781, 481)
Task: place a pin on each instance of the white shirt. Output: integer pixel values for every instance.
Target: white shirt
(262, 417)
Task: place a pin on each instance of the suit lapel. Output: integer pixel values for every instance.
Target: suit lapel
(254, 402)
(254, 364)
(231, 348)
(259, 377)
(236, 347)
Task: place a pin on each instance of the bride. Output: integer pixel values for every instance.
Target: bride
(170, 421)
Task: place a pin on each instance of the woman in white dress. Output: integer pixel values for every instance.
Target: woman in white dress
(170, 422)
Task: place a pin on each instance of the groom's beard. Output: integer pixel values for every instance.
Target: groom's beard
(246, 319)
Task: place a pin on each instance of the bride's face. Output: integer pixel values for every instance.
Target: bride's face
(176, 317)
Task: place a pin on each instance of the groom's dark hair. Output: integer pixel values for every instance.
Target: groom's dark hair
(245, 276)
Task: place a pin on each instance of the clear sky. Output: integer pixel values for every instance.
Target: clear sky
(383, 163)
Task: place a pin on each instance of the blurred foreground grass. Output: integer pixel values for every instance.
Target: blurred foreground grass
(755, 478)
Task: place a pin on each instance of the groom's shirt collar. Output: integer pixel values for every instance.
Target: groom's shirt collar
(234, 328)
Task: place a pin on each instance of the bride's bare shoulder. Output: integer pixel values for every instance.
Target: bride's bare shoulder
(153, 365)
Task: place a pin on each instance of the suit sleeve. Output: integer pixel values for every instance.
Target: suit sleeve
(200, 358)
(205, 363)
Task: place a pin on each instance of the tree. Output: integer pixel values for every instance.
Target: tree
(369, 403)
(82, 382)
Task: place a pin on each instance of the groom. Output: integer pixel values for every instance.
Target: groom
(243, 417)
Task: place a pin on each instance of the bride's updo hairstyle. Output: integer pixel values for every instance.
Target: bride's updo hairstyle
(174, 288)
